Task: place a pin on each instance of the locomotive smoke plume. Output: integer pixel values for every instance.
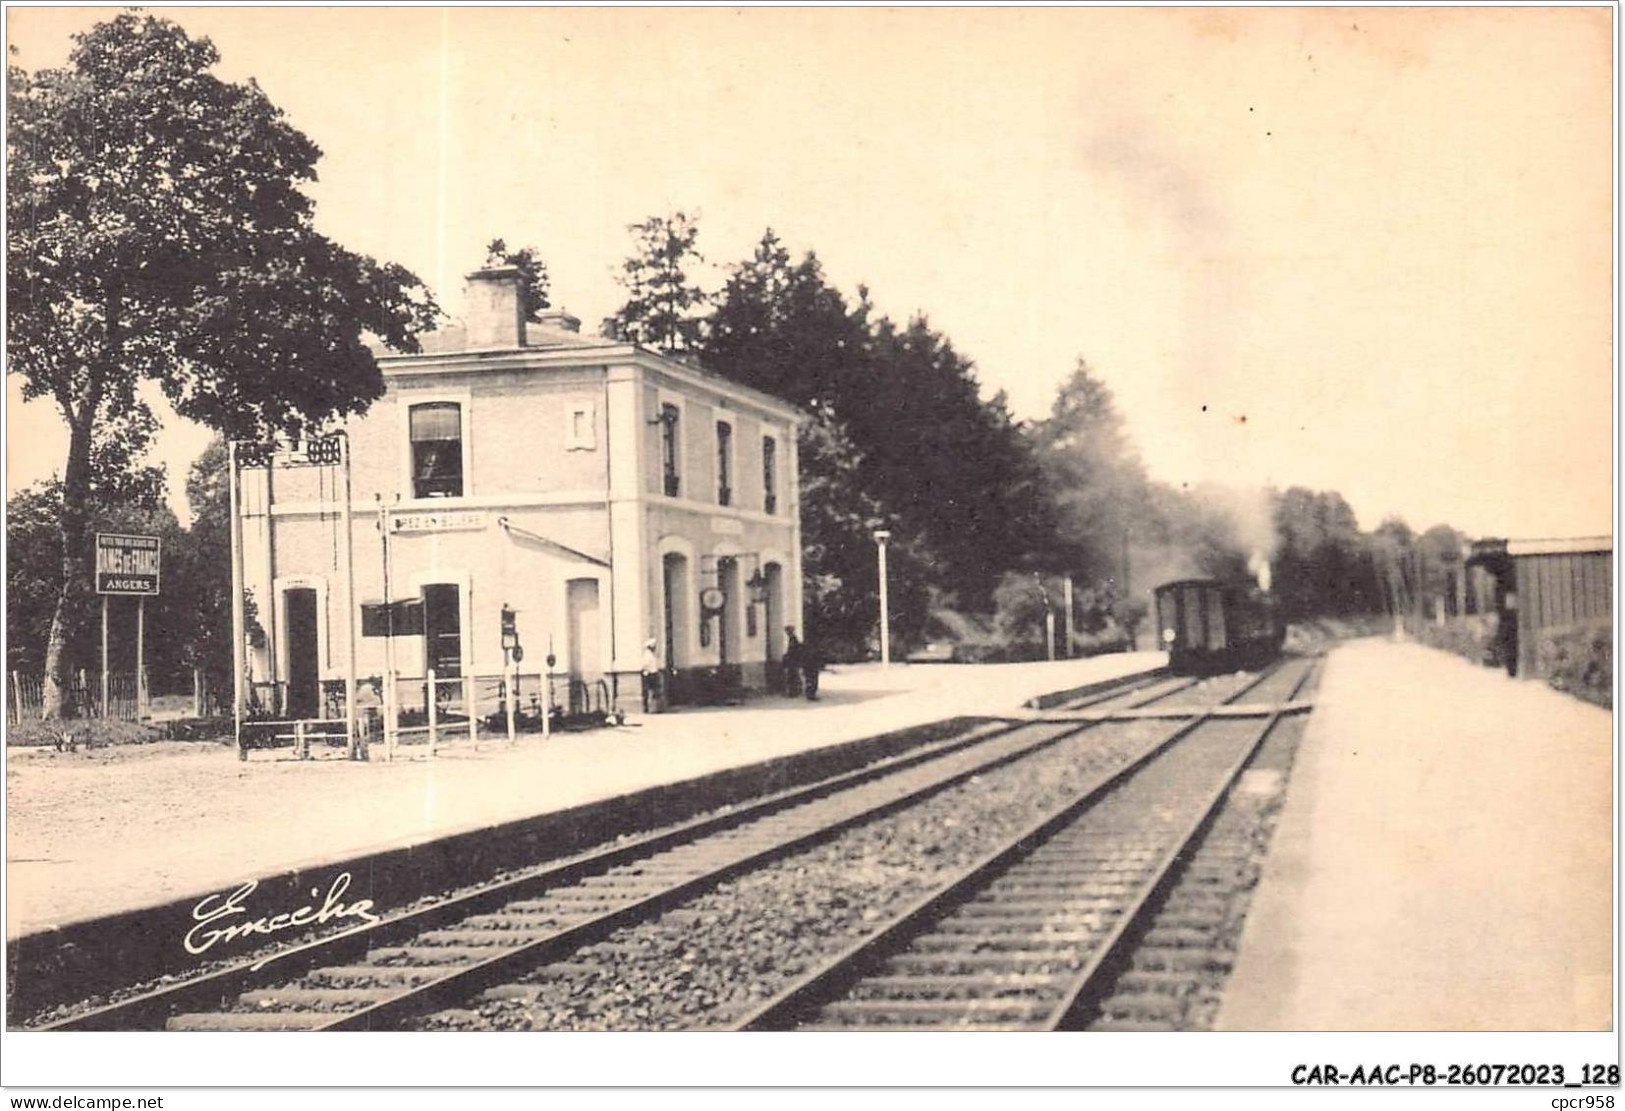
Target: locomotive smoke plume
(1249, 515)
(1259, 565)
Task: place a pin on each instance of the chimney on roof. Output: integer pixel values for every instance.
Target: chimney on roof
(559, 320)
(492, 309)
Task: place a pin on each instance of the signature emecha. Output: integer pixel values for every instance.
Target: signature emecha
(224, 917)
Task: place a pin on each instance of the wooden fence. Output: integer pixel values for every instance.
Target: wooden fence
(26, 696)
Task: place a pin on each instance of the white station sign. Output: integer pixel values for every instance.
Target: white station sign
(447, 521)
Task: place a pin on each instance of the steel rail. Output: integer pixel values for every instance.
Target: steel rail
(441, 991)
(813, 989)
(1088, 985)
(150, 1009)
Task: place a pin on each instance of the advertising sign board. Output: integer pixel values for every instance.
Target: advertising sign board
(127, 564)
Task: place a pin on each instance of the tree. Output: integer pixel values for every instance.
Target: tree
(957, 472)
(662, 302)
(951, 475)
(780, 327)
(33, 570)
(840, 571)
(533, 276)
(33, 584)
(120, 479)
(1093, 476)
(207, 556)
(1324, 564)
(1441, 552)
(158, 232)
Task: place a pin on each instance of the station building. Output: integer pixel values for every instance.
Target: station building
(605, 494)
(1542, 585)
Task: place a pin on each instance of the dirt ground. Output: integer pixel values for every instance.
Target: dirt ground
(61, 804)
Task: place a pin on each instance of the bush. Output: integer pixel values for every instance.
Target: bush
(84, 733)
(96, 733)
(1109, 638)
(1471, 637)
(1579, 660)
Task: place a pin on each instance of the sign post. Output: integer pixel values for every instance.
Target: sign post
(141, 659)
(238, 617)
(106, 706)
(131, 566)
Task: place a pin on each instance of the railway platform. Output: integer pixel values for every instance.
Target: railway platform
(94, 835)
(1443, 859)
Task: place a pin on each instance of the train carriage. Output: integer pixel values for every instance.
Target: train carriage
(1209, 626)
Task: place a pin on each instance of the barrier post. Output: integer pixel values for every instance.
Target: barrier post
(508, 690)
(470, 709)
(301, 744)
(1066, 600)
(433, 711)
(547, 702)
(391, 721)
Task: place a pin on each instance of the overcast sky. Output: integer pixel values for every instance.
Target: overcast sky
(1361, 250)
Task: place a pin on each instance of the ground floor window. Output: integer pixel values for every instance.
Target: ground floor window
(443, 630)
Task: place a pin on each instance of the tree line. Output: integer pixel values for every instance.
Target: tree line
(160, 234)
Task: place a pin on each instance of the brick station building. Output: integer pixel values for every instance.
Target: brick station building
(607, 494)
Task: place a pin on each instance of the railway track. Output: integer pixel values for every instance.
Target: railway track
(381, 975)
(1037, 933)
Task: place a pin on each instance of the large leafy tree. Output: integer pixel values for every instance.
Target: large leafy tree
(958, 472)
(663, 303)
(120, 479)
(158, 232)
(33, 585)
(780, 327)
(901, 439)
(1094, 476)
(206, 556)
(1324, 564)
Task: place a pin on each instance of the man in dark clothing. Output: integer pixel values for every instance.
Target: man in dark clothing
(1506, 634)
(792, 662)
(812, 662)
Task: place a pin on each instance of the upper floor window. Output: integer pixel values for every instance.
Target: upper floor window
(437, 450)
(725, 451)
(770, 475)
(580, 433)
(668, 449)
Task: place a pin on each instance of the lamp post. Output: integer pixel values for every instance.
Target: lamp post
(881, 536)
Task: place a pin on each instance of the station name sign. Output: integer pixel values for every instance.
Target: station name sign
(127, 564)
(446, 521)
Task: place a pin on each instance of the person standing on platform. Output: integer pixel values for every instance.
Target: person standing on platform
(653, 692)
(812, 662)
(1506, 634)
(792, 662)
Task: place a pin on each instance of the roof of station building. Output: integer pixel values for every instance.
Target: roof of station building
(556, 336)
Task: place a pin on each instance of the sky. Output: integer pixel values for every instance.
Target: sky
(1366, 250)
